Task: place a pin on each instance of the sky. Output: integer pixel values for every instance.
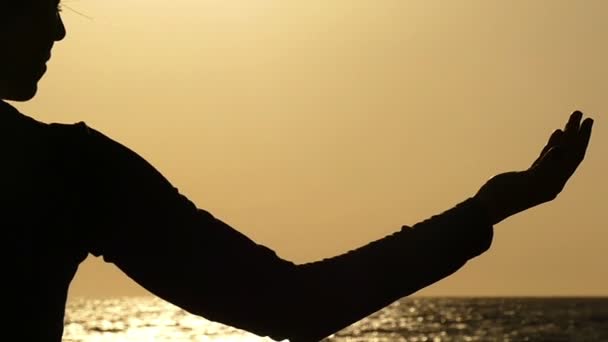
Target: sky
(315, 127)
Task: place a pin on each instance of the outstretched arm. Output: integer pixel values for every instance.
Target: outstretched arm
(183, 254)
(137, 220)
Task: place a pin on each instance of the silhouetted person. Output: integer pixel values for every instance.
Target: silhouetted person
(68, 190)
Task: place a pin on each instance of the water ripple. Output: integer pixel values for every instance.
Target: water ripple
(149, 319)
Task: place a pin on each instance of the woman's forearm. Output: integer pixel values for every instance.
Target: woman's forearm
(320, 298)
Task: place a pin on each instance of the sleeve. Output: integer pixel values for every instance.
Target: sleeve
(137, 220)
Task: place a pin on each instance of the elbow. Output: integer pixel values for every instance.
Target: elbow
(292, 324)
(286, 311)
(295, 335)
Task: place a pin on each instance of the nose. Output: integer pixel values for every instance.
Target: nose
(59, 31)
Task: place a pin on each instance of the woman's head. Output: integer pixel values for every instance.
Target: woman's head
(28, 30)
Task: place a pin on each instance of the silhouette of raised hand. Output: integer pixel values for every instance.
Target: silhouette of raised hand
(509, 193)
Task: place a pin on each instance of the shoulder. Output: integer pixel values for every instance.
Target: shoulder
(25, 130)
(69, 132)
(104, 158)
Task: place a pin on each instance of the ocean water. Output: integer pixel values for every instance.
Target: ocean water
(413, 319)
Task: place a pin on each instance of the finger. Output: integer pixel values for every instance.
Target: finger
(583, 138)
(554, 140)
(574, 120)
(572, 127)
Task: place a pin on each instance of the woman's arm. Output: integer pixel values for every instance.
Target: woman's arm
(137, 220)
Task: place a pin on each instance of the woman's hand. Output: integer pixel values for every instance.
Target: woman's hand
(509, 193)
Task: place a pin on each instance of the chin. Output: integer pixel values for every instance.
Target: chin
(21, 94)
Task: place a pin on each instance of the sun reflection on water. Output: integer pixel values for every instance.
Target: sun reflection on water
(142, 319)
(149, 319)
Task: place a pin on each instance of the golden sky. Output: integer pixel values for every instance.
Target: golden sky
(317, 126)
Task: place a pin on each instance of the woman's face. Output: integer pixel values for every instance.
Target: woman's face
(28, 30)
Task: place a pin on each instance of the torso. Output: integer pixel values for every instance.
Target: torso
(42, 247)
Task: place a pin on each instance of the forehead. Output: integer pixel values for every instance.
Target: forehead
(20, 4)
(11, 10)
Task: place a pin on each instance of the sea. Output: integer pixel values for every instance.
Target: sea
(412, 319)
